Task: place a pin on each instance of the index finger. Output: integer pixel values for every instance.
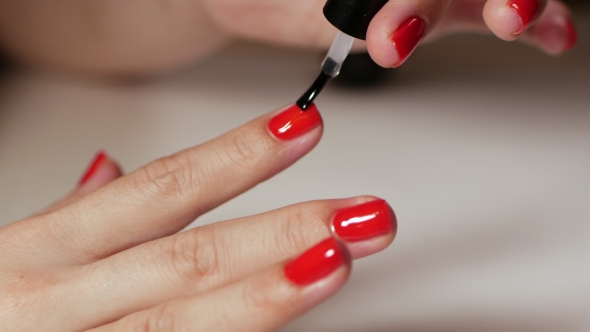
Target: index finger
(166, 195)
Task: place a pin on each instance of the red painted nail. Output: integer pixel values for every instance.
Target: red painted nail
(316, 263)
(94, 166)
(294, 122)
(526, 10)
(573, 35)
(365, 221)
(407, 37)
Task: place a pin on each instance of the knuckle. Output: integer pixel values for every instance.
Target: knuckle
(246, 149)
(168, 177)
(303, 224)
(162, 318)
(194, 256)
(291, 233)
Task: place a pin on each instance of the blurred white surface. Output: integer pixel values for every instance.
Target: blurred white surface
(484, 155)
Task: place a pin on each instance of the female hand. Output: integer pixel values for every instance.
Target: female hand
(137, 37)
(109, 256)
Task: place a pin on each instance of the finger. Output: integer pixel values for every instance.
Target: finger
(100, 171)
(263, 302)
(398, 28)
(212, 256)
(508, 19)
(461, 16)
(554, 32)
(163, 197)
(32, 238)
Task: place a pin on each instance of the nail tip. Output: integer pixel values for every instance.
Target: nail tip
(364, 221)
(316, 263)
(99, 157)
(526, 11)
(293, 122)
(407, 37)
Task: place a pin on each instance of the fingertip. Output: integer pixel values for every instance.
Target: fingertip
(292, 122)
(367, 227)
(317, 263)
(93, 167)
(101, 171)
(379, 46)
(502, 20)
(396, 31)
(376, 244)
(398, 28)
(320, 271)
(554, 32)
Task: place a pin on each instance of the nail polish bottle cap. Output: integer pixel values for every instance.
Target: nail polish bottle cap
(352, 16)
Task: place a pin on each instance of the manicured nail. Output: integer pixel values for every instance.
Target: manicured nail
(365, 221)
(526, 10)
(407, 37)
(294, 122)
(100, 157)
(573, 35)
(316, 263)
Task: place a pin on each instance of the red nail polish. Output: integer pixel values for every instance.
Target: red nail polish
(526, 10)
(573, 35)
(365, 221)
(294, 122)
(316, 263)
(407, 37)
(94, 166)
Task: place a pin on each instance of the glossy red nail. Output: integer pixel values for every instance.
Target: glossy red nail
(316, 263)
(365, 221)
(526, 10)
(294, 122)
(407, 37)
(573, 35)
(94, 166)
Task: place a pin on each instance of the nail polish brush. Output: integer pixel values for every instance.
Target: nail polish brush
(352, 19)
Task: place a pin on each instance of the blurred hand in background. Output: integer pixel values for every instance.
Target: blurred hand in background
(121, 38)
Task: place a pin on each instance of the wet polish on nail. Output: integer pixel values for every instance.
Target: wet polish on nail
(526, 10)
(294, 122)
(365, 221)
(316, 263)
(93, 168)
(407, 37)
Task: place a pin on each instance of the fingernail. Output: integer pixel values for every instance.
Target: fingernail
(407, 37)
(94, 166)
(365, 221)
(294, 122)
(316, 263)
(526, 10)
(573, 35)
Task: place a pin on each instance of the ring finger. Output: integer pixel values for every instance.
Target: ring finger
(262, 302)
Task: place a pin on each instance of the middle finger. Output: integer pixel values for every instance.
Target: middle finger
(212, 256)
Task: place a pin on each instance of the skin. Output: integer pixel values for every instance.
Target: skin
(137, 37)
(109, 256)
